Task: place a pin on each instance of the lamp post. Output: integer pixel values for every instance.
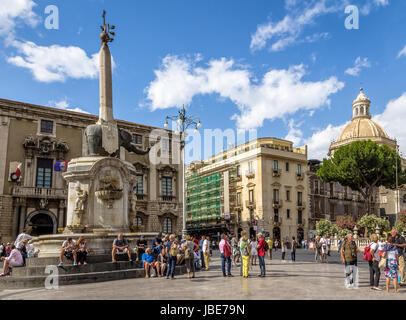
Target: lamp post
(183, 122)
(396, 177)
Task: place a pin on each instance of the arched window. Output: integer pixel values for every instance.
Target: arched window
(138, 222)
(362, 111)
(167, 228)
(356, 111)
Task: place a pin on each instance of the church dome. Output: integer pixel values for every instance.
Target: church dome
(362, 127)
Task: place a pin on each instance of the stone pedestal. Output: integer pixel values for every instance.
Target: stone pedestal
(98, 196)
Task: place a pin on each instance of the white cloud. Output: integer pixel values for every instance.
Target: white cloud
(300, 14)
(54, 63)
(13, 12)
(288, 30)
(63, 104)
(402, 52)
(295, 134)
(319, 143)
(366, 9)
(359, 64)
(392, 119)
(279, 93)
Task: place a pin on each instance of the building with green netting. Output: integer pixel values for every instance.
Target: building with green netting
(258, 186)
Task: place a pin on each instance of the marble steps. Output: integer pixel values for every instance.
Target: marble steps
(90, 259)
(79, 275)
(71, 269)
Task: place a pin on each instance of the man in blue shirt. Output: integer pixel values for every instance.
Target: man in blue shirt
(148, 262)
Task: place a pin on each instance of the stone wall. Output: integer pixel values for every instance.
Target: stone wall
(6, 218)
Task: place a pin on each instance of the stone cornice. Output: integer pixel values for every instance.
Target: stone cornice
(22, 110)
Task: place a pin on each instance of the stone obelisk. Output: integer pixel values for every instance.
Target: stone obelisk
(106, 119)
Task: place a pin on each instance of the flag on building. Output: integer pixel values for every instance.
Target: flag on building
(16, 174)
(61, 166)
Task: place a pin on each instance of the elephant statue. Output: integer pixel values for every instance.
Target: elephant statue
(93, 135)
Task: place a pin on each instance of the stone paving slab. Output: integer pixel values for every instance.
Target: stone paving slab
(303, 280)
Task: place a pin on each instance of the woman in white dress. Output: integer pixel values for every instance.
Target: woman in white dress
(254, 252)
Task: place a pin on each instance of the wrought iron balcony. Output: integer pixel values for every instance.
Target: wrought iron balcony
(301, 205)
(276, 172)
(277, 203)
(250, 204)
(299, 176)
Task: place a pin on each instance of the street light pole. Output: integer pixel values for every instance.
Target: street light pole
(397, 187)
(183, 122)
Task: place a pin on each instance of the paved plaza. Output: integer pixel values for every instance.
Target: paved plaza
(303, 279)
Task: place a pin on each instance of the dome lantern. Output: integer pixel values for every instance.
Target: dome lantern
(360, 106)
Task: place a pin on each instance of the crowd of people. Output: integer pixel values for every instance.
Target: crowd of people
(166, 252)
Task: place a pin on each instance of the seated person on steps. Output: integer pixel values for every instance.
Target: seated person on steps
(81, 250)
(69, 251)
(15, 259)
(148, 262)
(120, 246)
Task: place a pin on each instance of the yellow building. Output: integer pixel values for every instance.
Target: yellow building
(263, 187)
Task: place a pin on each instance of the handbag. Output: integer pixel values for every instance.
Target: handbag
(382, 263)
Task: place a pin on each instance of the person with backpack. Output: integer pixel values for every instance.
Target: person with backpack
(189, 248)
(172, 250)
(225, 251)
(245, 248)
(262, 248)
(371, 254)
(349, 251)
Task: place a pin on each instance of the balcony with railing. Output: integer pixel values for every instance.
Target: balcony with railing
(276, 172)
(301, 205)
(277, 203)
(250, 204)
(277, 221)
(142, 197)
(167, 198)
(250, 174)
(34, 192)
(299, 176)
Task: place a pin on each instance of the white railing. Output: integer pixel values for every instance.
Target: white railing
(39, 192)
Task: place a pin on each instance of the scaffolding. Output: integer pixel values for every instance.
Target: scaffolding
(203, 197)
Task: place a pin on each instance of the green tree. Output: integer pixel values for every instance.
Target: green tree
(323, 227)
(363, 166)
(343, 232)
(400, 226)
(370, 222)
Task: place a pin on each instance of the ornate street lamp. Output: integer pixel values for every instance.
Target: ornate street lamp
(183, 122)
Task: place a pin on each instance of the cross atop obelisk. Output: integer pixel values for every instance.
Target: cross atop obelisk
(106, 119)
(106, 86)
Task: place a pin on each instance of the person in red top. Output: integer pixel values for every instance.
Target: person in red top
(261, 248)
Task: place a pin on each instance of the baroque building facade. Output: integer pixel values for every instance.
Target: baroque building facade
(39, 136)
(256, 186)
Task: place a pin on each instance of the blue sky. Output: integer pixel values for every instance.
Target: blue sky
(285, 67)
